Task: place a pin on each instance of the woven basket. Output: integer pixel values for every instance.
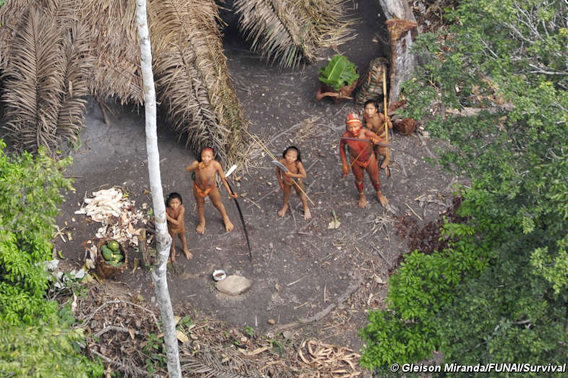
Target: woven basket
(405, 126)
(104, 269)
(372, 83)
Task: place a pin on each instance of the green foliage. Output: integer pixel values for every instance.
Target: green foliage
(422, 287)
(249, 331)
(507, 299)
(339, 72)
(44, 350)
(29, 196)
(35, 335)
(155, 351)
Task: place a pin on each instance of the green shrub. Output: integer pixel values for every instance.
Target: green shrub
(34, 340)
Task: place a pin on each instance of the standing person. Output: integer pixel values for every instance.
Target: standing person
(205, 173)
(362, 156)
(375, 122)
(292, 159)
(175, 212)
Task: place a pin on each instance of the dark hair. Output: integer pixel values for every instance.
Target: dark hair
(372, 101)
(292, 148)
(171, 196)
(205, 148)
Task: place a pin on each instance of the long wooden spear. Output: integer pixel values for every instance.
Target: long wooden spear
(385, 112)
(231, 170)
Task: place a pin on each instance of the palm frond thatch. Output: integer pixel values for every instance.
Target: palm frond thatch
(11, 14)
(34, 81)
(191, 79)
(79, 64)
(190, 67)
(290, 32)
(205, 364)
(113, 38)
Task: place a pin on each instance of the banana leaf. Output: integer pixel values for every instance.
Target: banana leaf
(339, 72)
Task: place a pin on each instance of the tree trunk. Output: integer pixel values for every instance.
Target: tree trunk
(401, 25)
(163, 239)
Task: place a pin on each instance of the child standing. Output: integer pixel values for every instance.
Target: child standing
(375, 122)
(175, 213)
(292, 160)
(206, 172)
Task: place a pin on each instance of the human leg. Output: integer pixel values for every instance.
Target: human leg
(216, 200)
(188, 254)
(200, 202)
(307, 214)
(284, 208)
(358, 173)
(173, 246)
(373, 172)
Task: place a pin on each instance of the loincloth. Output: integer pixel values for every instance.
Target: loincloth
(363, 164)
(201, 192)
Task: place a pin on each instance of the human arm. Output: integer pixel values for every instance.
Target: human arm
(279, 177)
(386, 119)
(193, 166)
(221, 174)
(344, 164)
(373, 137)
(179, 219)
(301, 172)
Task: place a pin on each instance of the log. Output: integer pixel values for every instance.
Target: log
(143, 248)
(402, 28)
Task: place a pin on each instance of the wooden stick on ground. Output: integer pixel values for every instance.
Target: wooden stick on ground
(320, 315)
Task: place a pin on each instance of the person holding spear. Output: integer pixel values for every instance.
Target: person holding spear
(291, 167)
(360, 142)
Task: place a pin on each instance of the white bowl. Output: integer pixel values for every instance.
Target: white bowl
(219, 275)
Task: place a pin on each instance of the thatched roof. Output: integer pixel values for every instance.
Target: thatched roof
(291, 32)
(190, 68)
(191, 74)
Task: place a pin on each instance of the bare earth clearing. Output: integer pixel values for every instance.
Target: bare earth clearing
(299, 267)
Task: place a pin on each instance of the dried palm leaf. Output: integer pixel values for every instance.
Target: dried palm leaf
(79, 64)
(190, 67)
(34, 82)
(114, 41)
(190, 70)
(291, 32)
(205, 364)
(11, 14)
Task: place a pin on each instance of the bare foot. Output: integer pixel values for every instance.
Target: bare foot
(188, 254)
(362, 200)
(228, 225)
(200, 228)
(283, 211)
(173, 256)
(382, 199)
(307, 214)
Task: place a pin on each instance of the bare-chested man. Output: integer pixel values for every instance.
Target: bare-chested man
(204, 185)
(362, 157)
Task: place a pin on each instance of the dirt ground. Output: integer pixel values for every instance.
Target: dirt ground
(299, 267)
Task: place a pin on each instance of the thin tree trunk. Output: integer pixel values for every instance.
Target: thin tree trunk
(163, 239)
(401, 25)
